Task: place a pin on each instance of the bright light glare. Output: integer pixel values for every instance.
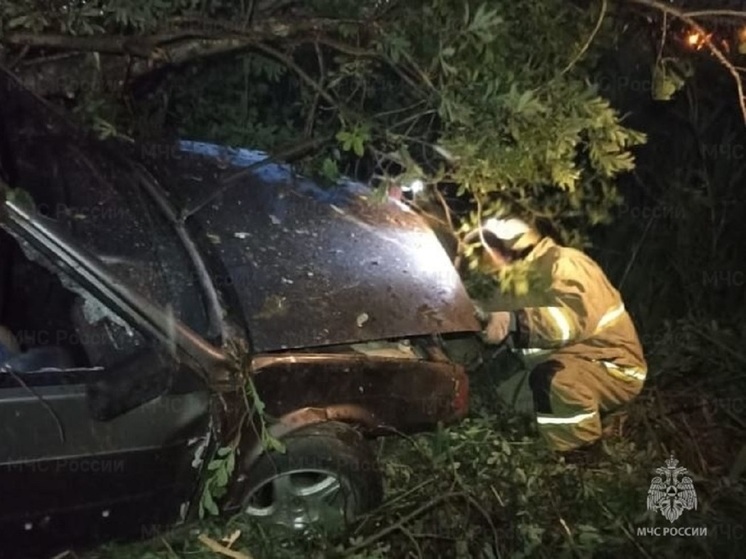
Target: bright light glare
(505, 229)
(432, 261)
(416, 186)
(697, 40)
(491, 224)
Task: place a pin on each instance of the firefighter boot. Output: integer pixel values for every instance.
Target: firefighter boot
(612, 424)
(588, 455)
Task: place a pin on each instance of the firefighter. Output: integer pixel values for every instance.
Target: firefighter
(593, 362)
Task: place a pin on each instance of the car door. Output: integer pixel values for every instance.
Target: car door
(105, 440)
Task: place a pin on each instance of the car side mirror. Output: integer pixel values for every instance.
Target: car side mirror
(140, 379)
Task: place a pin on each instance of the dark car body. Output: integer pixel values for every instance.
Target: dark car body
(162, 317)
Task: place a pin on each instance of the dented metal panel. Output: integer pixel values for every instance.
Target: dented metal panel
(315, 267)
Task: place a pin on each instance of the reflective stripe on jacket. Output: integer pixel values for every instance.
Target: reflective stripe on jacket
(581, 313)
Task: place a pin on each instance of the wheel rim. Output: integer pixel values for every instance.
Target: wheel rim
(298, 499)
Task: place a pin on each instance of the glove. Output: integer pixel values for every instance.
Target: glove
(499, 326)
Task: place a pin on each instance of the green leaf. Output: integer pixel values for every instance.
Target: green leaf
(520, 476)
(208, 504)
(347, 30)
(273, 443)
(346, 139)
(329, 170)
(230, 463)
(259, 405)
(666, 82)
(357, 145)
(221, 477)
(354, 139)
(506, 448)
(19, 21)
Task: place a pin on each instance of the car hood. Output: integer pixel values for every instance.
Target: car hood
(311, 266)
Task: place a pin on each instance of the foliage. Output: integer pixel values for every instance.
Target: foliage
(220, 469)
(669, 76)
(520, 278)
(267, 441)
(492, 97)
(222, 465)
(488, 488)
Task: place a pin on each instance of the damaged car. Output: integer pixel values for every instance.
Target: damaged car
(192, 329)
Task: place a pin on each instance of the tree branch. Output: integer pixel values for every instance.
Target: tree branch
(717, 13)
(290, 63)
(319, 38)
(104, 44)
(687, 18)
(187, 38)
(199, 38)
(311, 118)
(217, 547)
(265, 29)
(158, 45)
(588, 43)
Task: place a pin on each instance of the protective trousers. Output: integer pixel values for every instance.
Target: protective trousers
(572, 395)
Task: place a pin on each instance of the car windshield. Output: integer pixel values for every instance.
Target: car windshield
(94, 194)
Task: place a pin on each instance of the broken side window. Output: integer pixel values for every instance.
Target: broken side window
(80, 183)
(45, 310)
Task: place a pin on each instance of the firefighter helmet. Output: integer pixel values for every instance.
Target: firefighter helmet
(513, 232)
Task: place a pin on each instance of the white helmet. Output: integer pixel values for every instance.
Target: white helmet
(515, 233)
(508, 229)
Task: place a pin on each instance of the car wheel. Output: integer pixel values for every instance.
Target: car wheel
(326, 477)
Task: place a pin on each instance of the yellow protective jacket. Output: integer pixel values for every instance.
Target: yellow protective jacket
(581, 313)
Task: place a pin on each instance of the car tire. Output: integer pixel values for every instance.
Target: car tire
(327, 477)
